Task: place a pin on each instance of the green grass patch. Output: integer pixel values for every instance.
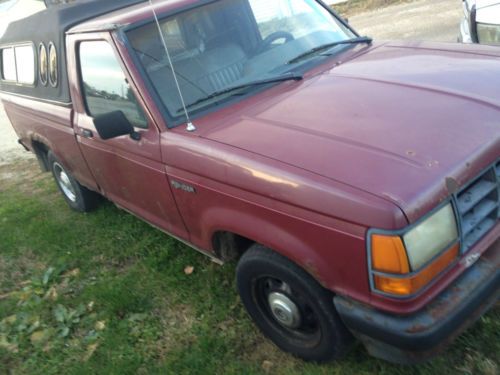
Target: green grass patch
(104, 293)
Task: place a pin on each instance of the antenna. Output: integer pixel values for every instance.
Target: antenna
(190, 126)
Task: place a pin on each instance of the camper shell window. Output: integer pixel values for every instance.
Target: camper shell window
(18, 64)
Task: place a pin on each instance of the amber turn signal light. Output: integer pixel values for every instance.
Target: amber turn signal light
(405, 286)
(389, 255)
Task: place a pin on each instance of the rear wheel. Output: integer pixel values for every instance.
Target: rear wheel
(290, 307)
(77, 196)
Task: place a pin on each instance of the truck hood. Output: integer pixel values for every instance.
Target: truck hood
(409, 123)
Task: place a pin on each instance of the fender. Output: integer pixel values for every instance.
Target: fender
(323, 252)
(263, 231)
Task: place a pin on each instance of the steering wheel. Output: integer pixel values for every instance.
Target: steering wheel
(266, 43)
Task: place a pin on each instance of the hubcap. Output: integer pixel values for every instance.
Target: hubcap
(284, 310)
(64, 182)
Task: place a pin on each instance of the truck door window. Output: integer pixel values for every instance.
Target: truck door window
(104, 84)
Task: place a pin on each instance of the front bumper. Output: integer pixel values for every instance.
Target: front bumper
(419, 336)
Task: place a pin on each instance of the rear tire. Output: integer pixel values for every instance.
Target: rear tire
(290, 307)
(78, 197)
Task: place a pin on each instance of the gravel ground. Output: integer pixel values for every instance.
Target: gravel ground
(419, 20)
(9, 148)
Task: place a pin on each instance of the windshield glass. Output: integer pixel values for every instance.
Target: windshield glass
(230, 43)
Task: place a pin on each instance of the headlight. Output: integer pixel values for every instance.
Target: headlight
(488, 34)
(404, 264)
(428, 239)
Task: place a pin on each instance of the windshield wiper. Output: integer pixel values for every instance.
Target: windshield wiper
(280, 78)
(361, 39)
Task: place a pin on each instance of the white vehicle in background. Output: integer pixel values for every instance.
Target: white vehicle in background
(481, 23)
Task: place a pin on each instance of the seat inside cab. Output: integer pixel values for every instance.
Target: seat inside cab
(222, 44)
(205, 58)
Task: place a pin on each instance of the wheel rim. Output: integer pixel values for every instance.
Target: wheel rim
(64, 182)
(287, 311)
(284, 310)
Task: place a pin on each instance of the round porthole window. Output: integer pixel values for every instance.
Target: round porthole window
(43, 64)
(53, 66)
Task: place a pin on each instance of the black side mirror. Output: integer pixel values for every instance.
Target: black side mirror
(114, 124)
(473, 24)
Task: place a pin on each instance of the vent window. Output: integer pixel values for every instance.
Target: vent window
(43, 64)
(53, 65)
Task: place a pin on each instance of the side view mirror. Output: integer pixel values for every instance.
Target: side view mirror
(114, 124)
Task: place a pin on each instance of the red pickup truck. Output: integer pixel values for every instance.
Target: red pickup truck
(358, 183)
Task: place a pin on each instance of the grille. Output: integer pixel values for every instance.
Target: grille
(479, 206)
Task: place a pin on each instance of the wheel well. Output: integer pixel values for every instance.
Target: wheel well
(41, 152)
(230, 246)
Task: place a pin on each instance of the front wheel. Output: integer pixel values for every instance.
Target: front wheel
(290, 307)
(78, 197)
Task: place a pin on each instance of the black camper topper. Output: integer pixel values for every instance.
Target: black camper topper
(49, 27)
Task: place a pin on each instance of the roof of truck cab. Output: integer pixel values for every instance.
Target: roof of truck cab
(132, 14)
(50, 26)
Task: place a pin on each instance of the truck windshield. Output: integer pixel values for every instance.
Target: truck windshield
(231, 43)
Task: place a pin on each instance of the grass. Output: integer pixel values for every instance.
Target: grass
(104, 293)
(353, 7)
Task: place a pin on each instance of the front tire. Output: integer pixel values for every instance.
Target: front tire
(290, 307)
(78, 197)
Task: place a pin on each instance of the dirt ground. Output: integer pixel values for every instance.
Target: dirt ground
(419, 20)
(9, 148)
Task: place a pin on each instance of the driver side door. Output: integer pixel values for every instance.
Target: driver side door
(128, 171)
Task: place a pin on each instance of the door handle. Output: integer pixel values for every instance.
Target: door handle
(87, 133)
